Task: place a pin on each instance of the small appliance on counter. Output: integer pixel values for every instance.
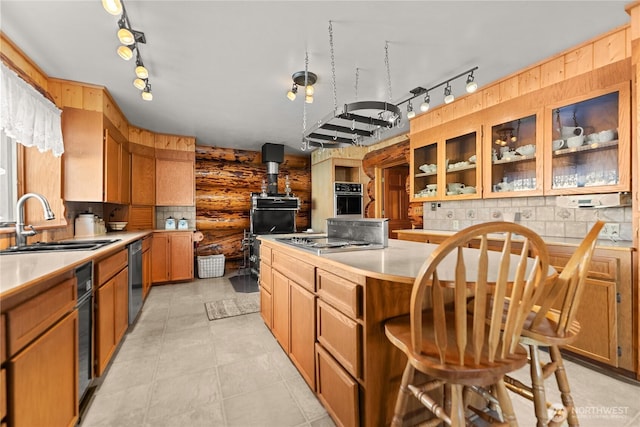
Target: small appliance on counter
(88, 224)
(170, 223)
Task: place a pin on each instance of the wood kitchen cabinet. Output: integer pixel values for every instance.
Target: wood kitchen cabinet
(96, 158)
(606, 307)
(143, 175)
(175, 178)
(146, 265)
(445, 161)
(172, 256)
(41, 345)
(112, 306)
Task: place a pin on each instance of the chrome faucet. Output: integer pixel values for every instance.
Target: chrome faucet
(21, 233)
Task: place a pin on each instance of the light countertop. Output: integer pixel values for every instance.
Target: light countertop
(399, 262)
(551, 240)
(18, 271)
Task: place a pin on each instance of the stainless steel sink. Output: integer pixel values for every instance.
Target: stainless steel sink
(65, 245)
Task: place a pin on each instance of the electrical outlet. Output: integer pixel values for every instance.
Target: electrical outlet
(455, 224)
(610, 229)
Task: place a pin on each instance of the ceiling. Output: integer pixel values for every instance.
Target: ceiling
(220, 70)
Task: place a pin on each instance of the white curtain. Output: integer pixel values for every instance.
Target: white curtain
(26, 116)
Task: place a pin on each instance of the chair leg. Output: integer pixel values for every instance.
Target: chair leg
(537, 387)
(403, 396)
(563, 386)
(505, 404)
(457, 405)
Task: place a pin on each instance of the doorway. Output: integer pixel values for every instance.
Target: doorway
(395, 198)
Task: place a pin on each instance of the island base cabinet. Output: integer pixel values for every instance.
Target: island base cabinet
(45, 377)
(303, 332)
(280, 295)
(337, 390)
(265, 307)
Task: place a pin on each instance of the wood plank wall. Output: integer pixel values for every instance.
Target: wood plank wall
(225, 179)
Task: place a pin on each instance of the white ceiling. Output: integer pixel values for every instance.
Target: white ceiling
(219, 70)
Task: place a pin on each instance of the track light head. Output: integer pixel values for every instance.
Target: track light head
(448, 96)
(292, 93)
(146, 93)
(425, 104)
(114, 7)
(125, 52)
(410, 113)
(140, 83)
(471, 85)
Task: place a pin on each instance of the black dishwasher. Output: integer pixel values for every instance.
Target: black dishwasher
(85, 320)
(135, 279)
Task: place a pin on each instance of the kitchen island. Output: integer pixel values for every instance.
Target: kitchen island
(327, 312)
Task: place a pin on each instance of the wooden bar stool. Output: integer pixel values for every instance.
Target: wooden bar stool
(457, 348)
(554, 328)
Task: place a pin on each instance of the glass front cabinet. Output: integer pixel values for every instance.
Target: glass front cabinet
(576, 145)
(589, 142)
(444, 164)
(513, 156)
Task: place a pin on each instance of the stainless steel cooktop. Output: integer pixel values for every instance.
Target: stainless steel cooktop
(326, 245)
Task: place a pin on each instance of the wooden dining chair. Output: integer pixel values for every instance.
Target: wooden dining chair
(456, 347)
(553, 328)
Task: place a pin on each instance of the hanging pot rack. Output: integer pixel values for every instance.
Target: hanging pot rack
(355, 122)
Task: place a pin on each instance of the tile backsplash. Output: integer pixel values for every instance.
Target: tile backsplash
(538, 213)
(177, 212)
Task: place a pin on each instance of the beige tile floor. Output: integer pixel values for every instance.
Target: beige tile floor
(177, 368)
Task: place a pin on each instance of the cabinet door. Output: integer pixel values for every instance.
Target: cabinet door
(424, 166)
(303, 332)
(181, 256)
(588, 143)
(146, 272)
(121, 305)
(45, 377)
(160, 258)
(461, 144)
(598, 338)
(111, 169)
(266, 307)
(125, 175)
(337, 390)
(513, 154)
(175, 182)
(105, 332)
(280, 301)
(143, 180)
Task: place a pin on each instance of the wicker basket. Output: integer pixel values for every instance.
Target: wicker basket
(210, 266)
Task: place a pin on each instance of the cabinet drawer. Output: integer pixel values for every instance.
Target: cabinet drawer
(108, 267)
(343, 294)
(266, 307)
(30, 319)
(341, 336)
(601, 267)
(337, 391)
(265, 276)
(265, 254)
(146, 244)
(295, 269)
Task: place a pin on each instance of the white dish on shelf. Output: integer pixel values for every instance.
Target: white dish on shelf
(526, 150)
(557, 144)
(117, 225)
(472, 159)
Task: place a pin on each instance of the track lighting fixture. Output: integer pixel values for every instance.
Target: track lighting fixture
(114, 7)
(471, 85)
(410, 113)
(448, 96)
(305, 79)
(130, 39)
(425, 104)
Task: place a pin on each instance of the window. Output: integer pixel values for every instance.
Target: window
(8, 179)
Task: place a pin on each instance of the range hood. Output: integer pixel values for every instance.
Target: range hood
(611, 200)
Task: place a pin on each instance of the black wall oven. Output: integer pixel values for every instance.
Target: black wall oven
(347, 200)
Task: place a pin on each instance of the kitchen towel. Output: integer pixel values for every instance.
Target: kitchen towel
(245, 304)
